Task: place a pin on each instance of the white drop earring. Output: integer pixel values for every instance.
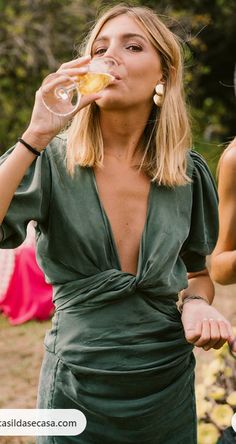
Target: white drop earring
(158, 97)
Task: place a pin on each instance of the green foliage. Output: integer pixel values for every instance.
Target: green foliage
(36, 36)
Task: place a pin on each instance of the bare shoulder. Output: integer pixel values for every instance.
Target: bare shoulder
(227, 176)
(227, 164)
(232, 144)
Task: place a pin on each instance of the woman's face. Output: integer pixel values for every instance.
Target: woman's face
(139, 65)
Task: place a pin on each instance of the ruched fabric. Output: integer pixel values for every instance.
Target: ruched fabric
(116, 349)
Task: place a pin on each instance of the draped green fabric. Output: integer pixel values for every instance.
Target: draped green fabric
(116, 349)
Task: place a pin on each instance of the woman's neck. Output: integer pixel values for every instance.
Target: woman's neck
(122, 133)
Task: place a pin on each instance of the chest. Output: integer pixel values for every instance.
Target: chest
(124, 197)
(148, 225)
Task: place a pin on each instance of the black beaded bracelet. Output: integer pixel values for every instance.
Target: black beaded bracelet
(189, 298)
(29, 147)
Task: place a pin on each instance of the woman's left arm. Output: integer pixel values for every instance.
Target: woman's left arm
(203, 325)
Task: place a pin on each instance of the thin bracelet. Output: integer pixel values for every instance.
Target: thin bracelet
(189, 298)
(29, 147)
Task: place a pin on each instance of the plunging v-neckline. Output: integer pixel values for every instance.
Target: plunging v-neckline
(110, 230)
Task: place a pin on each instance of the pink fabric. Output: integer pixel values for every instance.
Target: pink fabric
(27, 296)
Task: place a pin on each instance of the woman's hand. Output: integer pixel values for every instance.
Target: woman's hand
(44, 125)
(205, 327)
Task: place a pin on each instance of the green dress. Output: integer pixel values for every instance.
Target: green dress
(116, 349)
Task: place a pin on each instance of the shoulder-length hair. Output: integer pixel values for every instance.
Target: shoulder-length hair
(167, 135)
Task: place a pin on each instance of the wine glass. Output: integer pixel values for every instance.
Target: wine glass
(64, 99)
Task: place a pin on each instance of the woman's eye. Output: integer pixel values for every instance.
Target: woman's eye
(134, 47)
(99, 51)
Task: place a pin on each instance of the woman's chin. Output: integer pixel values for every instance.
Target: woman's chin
(111, 101)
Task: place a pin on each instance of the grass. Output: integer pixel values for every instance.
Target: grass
(21, 353)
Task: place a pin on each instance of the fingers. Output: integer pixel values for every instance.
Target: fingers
(80, 61)
(210, 333)
(218, 334)
(70, 69)
(55, 80)
(88, 98)
(73, 72)
(193, 332)
(65, 75)
(225, 334)
(67, 72)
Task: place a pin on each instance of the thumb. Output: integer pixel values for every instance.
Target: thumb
(88, 98)
(192, 330)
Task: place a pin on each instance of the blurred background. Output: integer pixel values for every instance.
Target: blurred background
(36, 36)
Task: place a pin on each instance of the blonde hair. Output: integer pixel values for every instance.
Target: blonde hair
(167, 135)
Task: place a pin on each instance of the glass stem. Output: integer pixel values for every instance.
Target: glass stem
(63, 92)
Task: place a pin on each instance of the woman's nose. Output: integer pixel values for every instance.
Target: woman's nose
(114, 53)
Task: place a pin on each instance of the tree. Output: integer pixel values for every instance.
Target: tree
(37, 35)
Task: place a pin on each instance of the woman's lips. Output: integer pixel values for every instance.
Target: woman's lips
(117, 77)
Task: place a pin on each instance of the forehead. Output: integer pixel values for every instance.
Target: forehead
(122, 24)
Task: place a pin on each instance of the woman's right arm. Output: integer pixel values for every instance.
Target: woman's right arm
(15, 166)
(223, 261)
(43, 127)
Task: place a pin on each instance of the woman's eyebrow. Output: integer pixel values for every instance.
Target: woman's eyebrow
(123, 36)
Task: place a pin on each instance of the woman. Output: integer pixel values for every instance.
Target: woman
(118, 229)
(223, 264)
